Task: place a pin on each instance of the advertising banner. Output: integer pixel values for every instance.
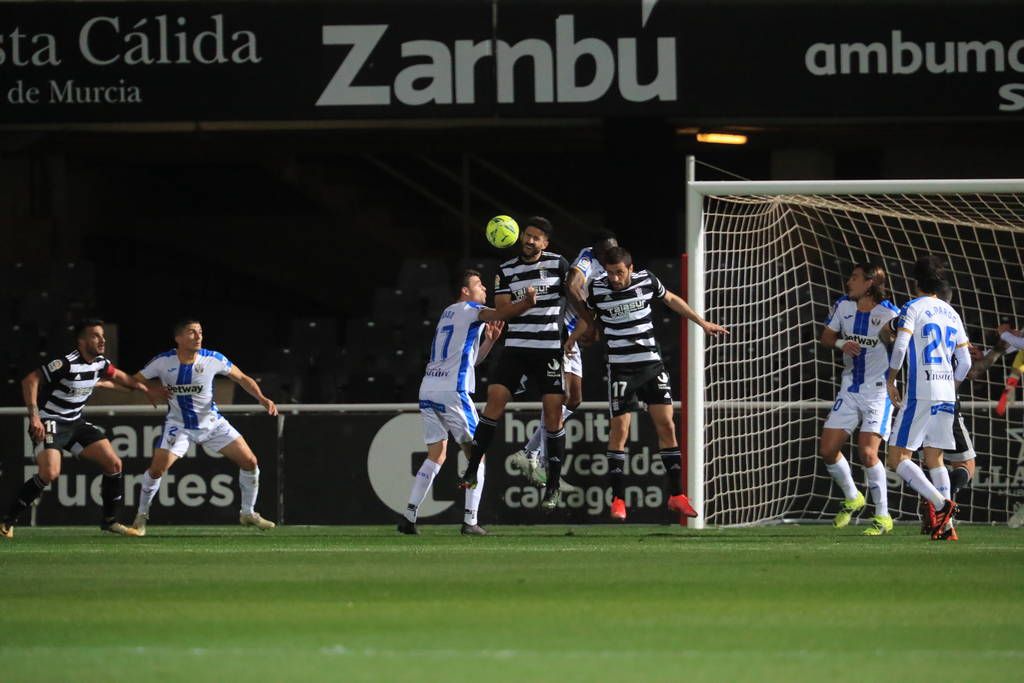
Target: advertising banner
(200, 488)
(303, 61)
(358, 468)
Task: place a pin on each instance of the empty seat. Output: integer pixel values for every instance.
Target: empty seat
(313, 337)
(417, 273)
(667, 270)
(369, 387)
(391, 306)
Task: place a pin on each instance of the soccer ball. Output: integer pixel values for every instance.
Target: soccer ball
(502, 231)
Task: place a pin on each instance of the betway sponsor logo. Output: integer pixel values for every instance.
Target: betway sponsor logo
(865, 342)
(439, 73)
(185, 389)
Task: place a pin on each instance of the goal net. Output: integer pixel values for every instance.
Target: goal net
(768, 260)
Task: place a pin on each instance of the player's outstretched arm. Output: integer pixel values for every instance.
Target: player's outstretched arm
(154, 396)
(577, 294)
(982, 363)
(30, 394)
(1011, 337)
(679, 305)
(505, 309)
(252, 388)
(492, 332)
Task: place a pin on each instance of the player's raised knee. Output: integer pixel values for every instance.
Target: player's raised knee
(49, 472)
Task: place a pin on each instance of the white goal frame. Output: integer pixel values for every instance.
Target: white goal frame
(696, 192)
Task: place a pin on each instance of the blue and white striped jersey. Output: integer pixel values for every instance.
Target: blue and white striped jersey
(453, 351)
(866, 372)
(191, 385)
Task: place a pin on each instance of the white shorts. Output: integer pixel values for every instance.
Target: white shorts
(176, 438)
(924, 424)
(573, 365)
(871, 413)
(447, 411)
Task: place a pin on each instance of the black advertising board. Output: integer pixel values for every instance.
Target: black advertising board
(358, 467)
(260, 61)
(200, 488)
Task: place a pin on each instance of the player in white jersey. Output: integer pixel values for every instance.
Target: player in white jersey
(930, 334)
(862, 403)
(188, 372)
(589, 264)
(961, 458)
(448, 382)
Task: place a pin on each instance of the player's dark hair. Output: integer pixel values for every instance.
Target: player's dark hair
(617, 255)
(85, 323)
(605, 241)
(541, 223)
(180, 325)
(466, 276)
(875, 273)
(930, 274)
(945, 292)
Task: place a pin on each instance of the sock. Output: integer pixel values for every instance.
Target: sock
(473, 497)
(878, 488)
(957, 480)
(672, 458)
(556, 451)
(112, 493)
(30, 490)
(420, 485)
(147, 492)
(841, 474)
(249, 482)
(940, 478)
(913, 475)
(616, 464)
(536, 441)
(482, 438)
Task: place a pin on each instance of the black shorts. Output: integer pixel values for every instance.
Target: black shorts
(541, 368)
(963, 446)
(629, 384)
(62, 436)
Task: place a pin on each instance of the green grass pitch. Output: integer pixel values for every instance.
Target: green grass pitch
(594, 603)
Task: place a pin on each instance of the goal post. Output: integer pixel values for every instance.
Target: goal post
(767, 259)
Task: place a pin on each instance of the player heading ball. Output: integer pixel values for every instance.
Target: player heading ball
(620, 301)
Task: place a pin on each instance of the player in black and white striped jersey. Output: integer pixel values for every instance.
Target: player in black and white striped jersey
(56, 423)
(533, 348)
(620, 301)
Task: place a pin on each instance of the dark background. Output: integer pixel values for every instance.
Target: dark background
(318, 244)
